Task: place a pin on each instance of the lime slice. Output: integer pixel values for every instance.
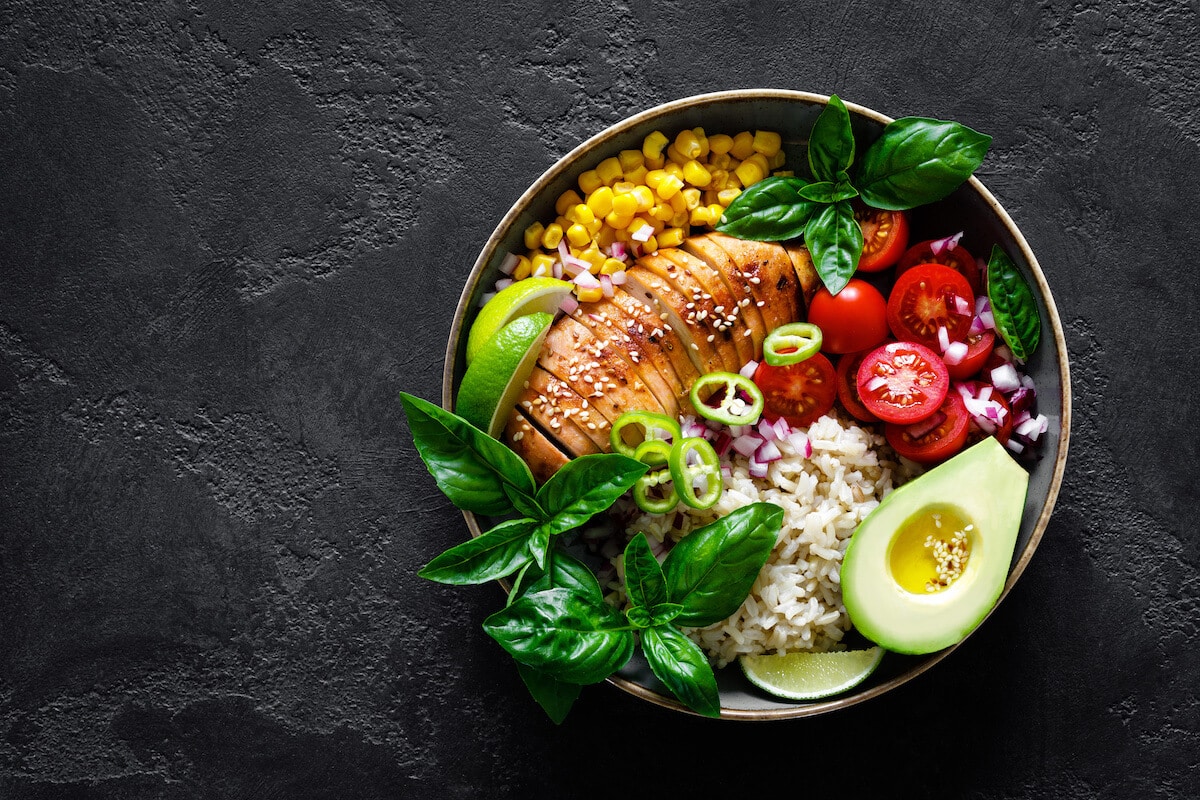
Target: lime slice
(523, 297)
(496, 377)
(809, 676)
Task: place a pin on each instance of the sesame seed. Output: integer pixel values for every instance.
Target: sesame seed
(695, 346)
(711, 337)
(761, 303)
(747, 333)
(591, 426)
(756, 280)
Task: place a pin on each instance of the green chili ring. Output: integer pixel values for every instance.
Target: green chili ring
(733, 409)
(686, 474)
(650, 481)
(653, 426)
(792, 343)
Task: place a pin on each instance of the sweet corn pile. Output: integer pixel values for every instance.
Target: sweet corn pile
(640, 200)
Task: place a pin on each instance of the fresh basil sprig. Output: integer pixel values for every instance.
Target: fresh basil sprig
(1014, 306)
(915, 161)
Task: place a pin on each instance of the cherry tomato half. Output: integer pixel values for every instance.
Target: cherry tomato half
(923, 300)
(800, 393)
(957, 259)
(885, 235)
(856, 318)
(926, 443)
(902, 382)
(847, 386)
(979, 349)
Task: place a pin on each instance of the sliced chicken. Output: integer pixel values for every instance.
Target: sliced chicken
(559, 410)
(806, 273)
(693, 327)
(543, 456)
(730, 306)
(765, 268)
(643, 346)
(708, 251)
(658, 322)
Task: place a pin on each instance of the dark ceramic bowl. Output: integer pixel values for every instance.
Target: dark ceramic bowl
(971, 208)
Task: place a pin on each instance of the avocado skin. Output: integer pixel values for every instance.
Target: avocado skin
(987, 487)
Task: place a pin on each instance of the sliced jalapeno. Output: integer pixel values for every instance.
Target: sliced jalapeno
(653, 452)
(634, 427)
(696, 471)
(655, 492)
(739, 401)
(792, 343)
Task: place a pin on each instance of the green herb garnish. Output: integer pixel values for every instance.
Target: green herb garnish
(915, 161)
(1014, 306)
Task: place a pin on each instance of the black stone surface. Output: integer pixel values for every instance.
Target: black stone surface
(231, 232)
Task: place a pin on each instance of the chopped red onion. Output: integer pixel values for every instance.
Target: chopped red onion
(962, 306)
(700, 484)
(691, 428)
(1027, 382)
(955, 353)
(800, 443)
(949, 243)
(643, 233)
(768, 452)
(982, 304)
(586, 280)
(919, 429)
(988, 320)
(1015, 446)
(485, 297)
(758, 469)
(1005, 378)
(766, 430)
(556, 270)
(606, 287)
(1022, 399)
(509, 264)
(943, 338)
(618, 278)
(748, 444)
(748, 370)
(984, 392)
(723, 443)
(503, 283)
(1003, 352)
(983, 424)
(569, 304)
(617, 251)
(740, 430)
(782, 429)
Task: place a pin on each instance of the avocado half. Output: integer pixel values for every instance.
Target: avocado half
(891, 584)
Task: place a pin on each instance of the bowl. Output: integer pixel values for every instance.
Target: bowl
(970, 208)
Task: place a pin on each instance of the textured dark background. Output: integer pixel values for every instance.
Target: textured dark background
(232, 232)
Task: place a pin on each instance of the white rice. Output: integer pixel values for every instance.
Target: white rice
(796, 602)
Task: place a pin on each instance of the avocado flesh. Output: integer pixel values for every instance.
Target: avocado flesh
(984, 489)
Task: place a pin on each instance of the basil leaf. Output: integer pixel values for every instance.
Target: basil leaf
(679, 663)
(565, 572)
(918, 161)
(710, 571)
(525, 505)
(643, 576)
(835, 241)
(554, 696)
(499, 552)
(470, 467)
(769, 211)
(563, 634)
(831, 142)
(1014, 305)
(520, 583)
(539, 544)
(660, 614)
(826, 192)
(585, 486)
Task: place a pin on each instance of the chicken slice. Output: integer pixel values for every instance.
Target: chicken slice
(543, 456)
(708, 251)
(692, 328)
(806, 273)
(766, 269)
(730, 306)
(608, 323)
(658, 320)
(557, 409)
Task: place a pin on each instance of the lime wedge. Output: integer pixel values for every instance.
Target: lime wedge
(496, 377)
(809, 676)
(523, 297)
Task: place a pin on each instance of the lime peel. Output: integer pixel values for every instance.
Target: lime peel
(522, 298)
(496, 377)
(806, 675)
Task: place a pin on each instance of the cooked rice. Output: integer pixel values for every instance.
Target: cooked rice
(796, 602)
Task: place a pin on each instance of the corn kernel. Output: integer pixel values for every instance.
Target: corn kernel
(783, 173)
(675, 155)
(592, 255)
(743, 146)
(655, 162)
(679, 220)
(710, 196)
(523, 268)
(776, 161)
(542, 266)
(637, 175)
(662, 211)
(671, 237)
(625, 205)
(720, 178)
(749, 173)
(637, 224)
(562, 222)
(565, 200)
(669, 188)
(623, 187)
(719, 144)
(703, 140)
(618, 221)
(552, 236)
(766, 142)
(700, 216)
(622, 234)
(630, 160)
(715, 212)
(672, 168)
(594, 226)
(589, 181)
(591, 295)
(644, 196)
(691, 197)
(722, 161)
(695, 174)
(678, 202)
(600, 201)
(606, 236)
(533, 235)
(611, 266)
(652, 145)
(609, 170)
(650, 245)
(687, 144)
(727, 196)
(578, 235)
(580, 213)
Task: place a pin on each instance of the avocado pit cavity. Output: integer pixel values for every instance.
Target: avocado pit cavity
(931, 550)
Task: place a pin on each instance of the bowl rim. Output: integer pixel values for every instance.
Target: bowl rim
(1055, 326)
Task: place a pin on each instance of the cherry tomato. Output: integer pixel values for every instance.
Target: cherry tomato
(923, 300)
(800, 392)
(885, 235)
(926, 443)
(847, 386)
(979, 349)
(958, 259)
(853, 319)
(1003, 428)
(902, 382)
